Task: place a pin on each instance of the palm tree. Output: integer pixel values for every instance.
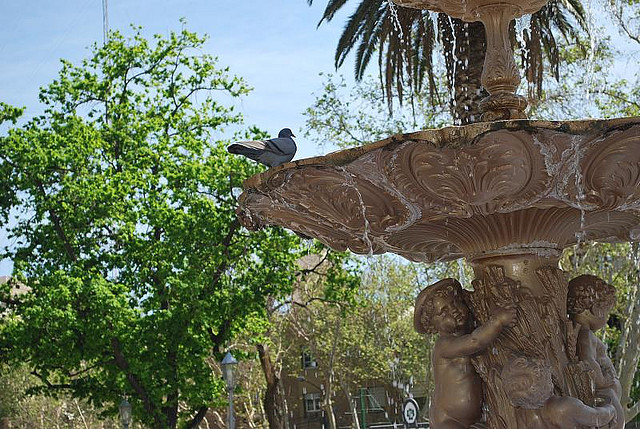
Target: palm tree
(405, 41)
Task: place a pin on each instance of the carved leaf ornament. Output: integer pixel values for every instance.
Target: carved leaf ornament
(462, 191)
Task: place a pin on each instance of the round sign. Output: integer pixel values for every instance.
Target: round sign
(410, 412)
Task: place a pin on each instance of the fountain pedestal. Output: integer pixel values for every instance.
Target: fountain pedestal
(508, 196)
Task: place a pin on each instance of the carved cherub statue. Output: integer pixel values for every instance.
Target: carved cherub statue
(589, 301)
(457, 398)
(527, 383)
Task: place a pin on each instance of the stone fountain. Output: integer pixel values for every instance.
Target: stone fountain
(508, 194)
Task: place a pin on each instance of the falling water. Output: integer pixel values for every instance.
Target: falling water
(548, 151)
(591, 30)
(571, 157)
(308, 244)
(454, 41)
(580, 197)
(349, 182)
(404, 57)
(433, 16)
(394, 18)
(523, 24)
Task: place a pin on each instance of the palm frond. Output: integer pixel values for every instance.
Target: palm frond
(333, 6)
(364, 16)
(368, 44)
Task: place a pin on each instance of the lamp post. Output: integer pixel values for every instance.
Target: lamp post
(228, 365)
(125, 413)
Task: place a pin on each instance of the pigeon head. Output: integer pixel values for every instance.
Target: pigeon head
(285, 132)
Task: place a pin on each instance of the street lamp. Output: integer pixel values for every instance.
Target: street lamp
(125, 413)
(228, 365)
(303, 379)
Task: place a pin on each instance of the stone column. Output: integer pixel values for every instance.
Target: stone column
(543, 333)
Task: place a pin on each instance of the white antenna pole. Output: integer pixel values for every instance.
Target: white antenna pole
(105, 21)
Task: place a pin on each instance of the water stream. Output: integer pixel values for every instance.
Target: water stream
(522, 27)
(350, 183)
(454, 57)
(393, 10)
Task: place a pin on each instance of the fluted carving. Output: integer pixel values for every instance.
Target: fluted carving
(482, 179)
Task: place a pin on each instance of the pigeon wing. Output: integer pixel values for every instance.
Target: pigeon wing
(284, 146)
(238, 147)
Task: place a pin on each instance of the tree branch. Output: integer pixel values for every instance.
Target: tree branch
(313, 269)
(134, 381)
(622, 22)
(57, 226)
(617, 96)
(219, 338)
(197, 419)
(222, 266)
(49, 384)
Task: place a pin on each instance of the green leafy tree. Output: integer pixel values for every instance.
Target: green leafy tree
(591, 76)
(367, 342)
(354, 116)
(126, 233)
(43, 412)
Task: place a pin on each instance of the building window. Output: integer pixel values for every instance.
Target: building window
(307, 360)
(312, 402)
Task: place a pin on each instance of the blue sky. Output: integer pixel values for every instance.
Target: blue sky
(273, 44)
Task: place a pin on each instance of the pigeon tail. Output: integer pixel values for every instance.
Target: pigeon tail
(250, 152)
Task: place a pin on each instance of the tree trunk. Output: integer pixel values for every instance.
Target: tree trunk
(328, 410)
(273, 399)
(352, 407)
(627, 353)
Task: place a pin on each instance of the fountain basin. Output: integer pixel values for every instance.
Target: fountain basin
(506, 187)
(467, 10)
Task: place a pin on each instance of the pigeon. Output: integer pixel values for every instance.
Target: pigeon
(272, 152)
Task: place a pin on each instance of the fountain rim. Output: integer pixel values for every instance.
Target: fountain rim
(439, 138)
(544, 218)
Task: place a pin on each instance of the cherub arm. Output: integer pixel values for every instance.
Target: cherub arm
(559, 409)
(608, 370)
(481, 337)
(590, 350)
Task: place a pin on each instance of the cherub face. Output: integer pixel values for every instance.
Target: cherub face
(596, 317)
(450, 314)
